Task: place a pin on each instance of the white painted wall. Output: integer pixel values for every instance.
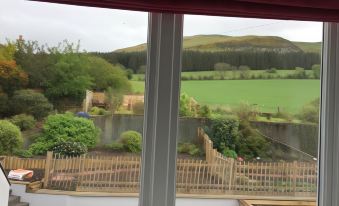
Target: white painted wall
(65, 200)
(4, 190)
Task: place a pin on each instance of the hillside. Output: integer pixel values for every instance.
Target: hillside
(219, 43)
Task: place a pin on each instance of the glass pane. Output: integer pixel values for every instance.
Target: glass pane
(67, 81)
(249, 110)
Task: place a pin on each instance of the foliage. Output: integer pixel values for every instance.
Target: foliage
(244, 72)
(245, 111)
(66, 128)
(310, 111)
(185, 108)
(97, 111)
(30, 102)
(116, 146)
(23, 153)
(189, 148)
(70, 148)
(69, 78)
(271, 70)
(11, 77)
(229, 153)
(129, 73)
(204, 111)
(106, 75)
(138, 108)
(222, 68)
(10, 137)
(316, 71)
(23, 121)
(114, 98)
(300, 73)
(7, 51)
(224, 132)
(132, 141)
(3, 104)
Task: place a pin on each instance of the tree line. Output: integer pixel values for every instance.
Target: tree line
(205, 61)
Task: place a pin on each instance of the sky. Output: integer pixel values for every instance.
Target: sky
(106, 30)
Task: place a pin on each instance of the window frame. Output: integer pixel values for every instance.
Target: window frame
(161, 120)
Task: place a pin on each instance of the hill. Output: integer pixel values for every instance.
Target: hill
(220, 43)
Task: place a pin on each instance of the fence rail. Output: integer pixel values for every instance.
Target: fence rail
(213, 175)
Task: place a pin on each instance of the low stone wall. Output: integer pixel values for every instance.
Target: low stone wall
(112, 126)
(304, 137)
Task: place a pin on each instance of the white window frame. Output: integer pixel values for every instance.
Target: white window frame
(161, 113)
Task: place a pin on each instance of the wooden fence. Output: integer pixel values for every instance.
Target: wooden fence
(214, 175)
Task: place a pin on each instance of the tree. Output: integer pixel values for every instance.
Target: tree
(11, 77)
(114, 99)
(316, 71)
(106, 75)
(142, 69)
(310, 112)
(245, 72)
(69, 78)
(30, 102)
(7, 52)
(222, 68)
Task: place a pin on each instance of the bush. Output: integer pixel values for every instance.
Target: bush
(116, 146)
(204, 111)
(23, 121)
(271, 70)
(97, 111)
(310, 112)
(316, 71)
(70, 148)
(132, 141)
(66, 128)
(10, 137)
(30, 102)
(138, 108)
(230, 153)
(23, 153)
(189, 148)
(224, 132)
(245, 111)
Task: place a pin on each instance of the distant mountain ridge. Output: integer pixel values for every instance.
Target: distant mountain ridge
(220, 43)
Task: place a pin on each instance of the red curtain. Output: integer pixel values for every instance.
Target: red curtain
(311, 10)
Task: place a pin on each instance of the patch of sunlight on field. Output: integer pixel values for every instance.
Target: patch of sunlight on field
(289, 95)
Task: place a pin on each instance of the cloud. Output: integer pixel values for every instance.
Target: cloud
(107, 29)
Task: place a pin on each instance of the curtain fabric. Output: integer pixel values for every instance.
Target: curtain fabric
(310, 10)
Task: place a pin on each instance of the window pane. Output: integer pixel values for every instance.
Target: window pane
(249, 109)
(67, 78)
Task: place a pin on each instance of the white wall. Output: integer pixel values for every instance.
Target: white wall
(65, 200)
(4, 190)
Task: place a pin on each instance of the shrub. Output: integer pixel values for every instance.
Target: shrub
(70, 148)
(23, 153)
(230, 153)
(66, 128)
(138, 108)
(116, 146)
(310, 112)
(10, 137)
(97, 111)
(189, 148)
(300, 73)
(271, 70)
(316, 71)
(245, 111)
(224, 132)
(204, 111)
(132, 141)
(23, 121)
(30, 102)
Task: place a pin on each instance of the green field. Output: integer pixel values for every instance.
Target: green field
(289, 95)
(230, 74)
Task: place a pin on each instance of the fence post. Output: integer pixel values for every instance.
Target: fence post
(49, 159)
(295, 173)
(232, 175)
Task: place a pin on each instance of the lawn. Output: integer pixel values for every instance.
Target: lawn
(289, 95)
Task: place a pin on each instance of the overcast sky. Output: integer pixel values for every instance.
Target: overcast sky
(107, 30)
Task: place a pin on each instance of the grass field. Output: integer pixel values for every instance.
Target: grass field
(230, 74)
(289, 95)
